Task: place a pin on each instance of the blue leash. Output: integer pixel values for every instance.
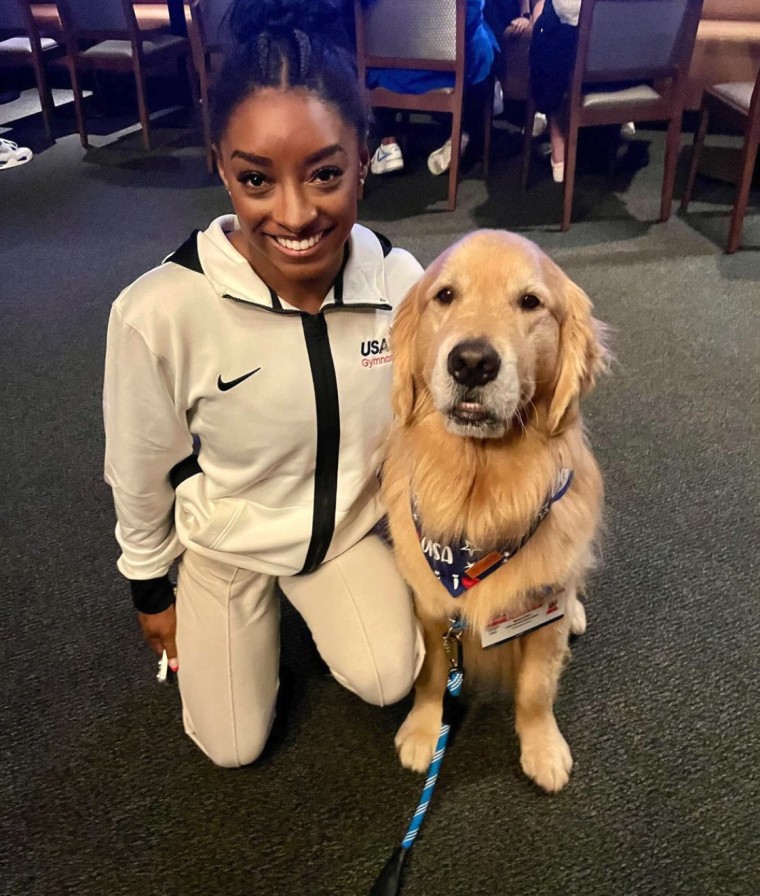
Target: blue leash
(389, 881)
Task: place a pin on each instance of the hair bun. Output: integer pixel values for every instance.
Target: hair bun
(249, 18)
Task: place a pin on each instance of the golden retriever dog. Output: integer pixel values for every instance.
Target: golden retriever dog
(492, 351)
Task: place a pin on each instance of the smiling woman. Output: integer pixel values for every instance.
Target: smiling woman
(249, 343)
(295, 193)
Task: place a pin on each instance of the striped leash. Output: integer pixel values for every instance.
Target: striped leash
(389, 881)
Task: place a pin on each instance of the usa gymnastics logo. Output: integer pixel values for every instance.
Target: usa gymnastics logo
(375, 352)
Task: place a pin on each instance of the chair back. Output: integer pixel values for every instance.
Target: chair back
(102, 19)
(13, 16)
(212, 19)
(402, 34)
(628, 40)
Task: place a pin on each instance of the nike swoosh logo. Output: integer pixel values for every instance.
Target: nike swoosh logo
(224, 387)
(382, 155)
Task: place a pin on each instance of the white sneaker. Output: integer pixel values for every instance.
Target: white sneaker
(11, 154)
(539, 124)
(440, 159)
(498, 97)
(628, 130)
(387, 158)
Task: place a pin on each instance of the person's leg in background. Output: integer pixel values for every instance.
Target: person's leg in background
(228, 645)
(359, 611)
(439, 161)
(387, 157)
(557, 138)
(11, 154)
(552, 57)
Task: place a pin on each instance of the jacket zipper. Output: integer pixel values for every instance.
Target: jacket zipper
(328, 438)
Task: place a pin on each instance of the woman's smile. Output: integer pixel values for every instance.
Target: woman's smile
(299, 248)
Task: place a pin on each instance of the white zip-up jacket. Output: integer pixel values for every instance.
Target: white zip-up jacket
(288, 411)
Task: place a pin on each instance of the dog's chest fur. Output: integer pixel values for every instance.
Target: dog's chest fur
(489, 496)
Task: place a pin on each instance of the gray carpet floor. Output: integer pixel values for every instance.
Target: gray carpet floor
(103, 795)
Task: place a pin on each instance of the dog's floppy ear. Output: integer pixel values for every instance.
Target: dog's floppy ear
(583, 354)
(403, 330)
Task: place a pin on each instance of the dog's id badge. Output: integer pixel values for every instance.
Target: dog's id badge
(505, 628)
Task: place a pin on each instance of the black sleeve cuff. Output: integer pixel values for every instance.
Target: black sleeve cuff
(152, 595)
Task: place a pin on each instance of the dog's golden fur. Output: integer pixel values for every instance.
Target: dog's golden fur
(480, 460)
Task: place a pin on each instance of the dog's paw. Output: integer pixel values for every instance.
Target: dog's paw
(415, 741)
(545, 757)
(577, 616)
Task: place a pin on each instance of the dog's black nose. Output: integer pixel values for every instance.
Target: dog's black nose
(474, 363)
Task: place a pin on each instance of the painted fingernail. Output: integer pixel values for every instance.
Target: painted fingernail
(173, 665)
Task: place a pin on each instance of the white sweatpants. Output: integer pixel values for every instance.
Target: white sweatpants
(356, 606)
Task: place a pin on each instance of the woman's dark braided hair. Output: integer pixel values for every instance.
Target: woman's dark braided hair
(288, 44)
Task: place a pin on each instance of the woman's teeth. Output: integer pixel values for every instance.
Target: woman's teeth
(299, 245)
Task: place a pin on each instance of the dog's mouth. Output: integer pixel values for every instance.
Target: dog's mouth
(473, 419)
(471, 413)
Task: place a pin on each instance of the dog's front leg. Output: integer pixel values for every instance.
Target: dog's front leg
(575, 612)
(544, 754)
(417, 737)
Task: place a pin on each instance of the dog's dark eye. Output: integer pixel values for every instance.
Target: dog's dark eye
(529, 302)
(445, 296)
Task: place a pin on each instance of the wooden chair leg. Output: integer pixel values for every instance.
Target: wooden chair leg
(76, 89)
(696, 152)
(456, 152)
(571, 155)
(192, 80)
(206, 122)
(487, 126)
(46, 96)
(672, 147)
(530, 114)
(613, 145)
(749, 155)
(402, 124)
(143, 106)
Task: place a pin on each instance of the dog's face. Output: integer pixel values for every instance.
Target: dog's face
(494, 331)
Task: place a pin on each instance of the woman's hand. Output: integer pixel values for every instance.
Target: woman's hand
(518, 27)
(159, 630)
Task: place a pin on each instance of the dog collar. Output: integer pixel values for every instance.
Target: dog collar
(460, 566)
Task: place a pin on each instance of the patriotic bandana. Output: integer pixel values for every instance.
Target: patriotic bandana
(461, 565)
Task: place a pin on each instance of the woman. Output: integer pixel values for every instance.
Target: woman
(264, 339)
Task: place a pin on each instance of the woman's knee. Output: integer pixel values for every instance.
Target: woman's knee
(376, 686)
(385, 677)
(238, 747)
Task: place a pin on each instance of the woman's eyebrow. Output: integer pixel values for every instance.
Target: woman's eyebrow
(250, 157)
(325, 153)
(317, 156)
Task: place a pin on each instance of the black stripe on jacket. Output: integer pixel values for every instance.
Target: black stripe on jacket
(328, 438)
